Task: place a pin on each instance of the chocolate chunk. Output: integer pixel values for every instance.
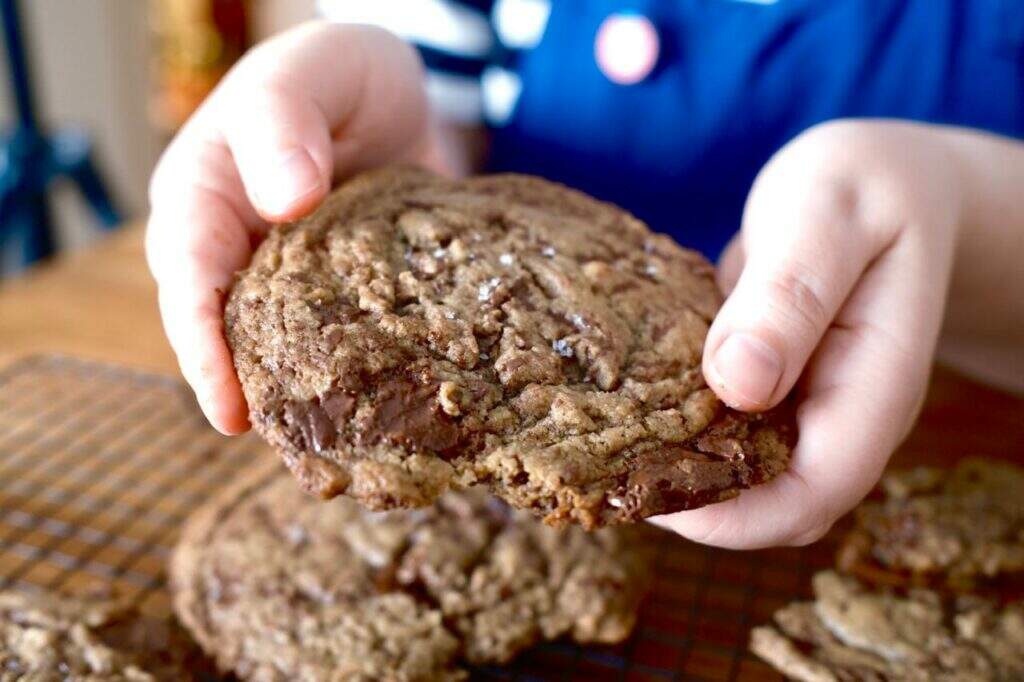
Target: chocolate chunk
(314, 424)
(674, 479)
(407, 412)
(339, 407)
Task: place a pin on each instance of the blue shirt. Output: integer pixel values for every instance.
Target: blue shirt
(735, 80)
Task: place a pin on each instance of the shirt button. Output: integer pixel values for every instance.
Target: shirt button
(627, 48)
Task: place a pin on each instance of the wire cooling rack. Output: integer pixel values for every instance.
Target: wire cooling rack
(99, 466)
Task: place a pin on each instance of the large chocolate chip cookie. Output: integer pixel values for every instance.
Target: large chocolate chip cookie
(46, 636)
(277, 585)
(417, 333)
(961, 528)
(850, 632)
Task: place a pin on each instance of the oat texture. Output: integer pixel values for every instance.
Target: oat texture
(954, 527)
(52, 638)
(852, 633)
(278, 585)
(416, 334)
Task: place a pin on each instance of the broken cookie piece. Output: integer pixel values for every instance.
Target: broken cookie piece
(960, 528)
(277, 585)
(853, 633)
(46, 636)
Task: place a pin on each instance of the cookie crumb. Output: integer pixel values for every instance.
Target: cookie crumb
(448, 395)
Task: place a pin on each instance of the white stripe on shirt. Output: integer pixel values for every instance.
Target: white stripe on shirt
(455, 98)
(434, 23)
(520, 24)
(501, 90)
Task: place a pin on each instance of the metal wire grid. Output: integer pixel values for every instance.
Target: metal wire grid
(99, 466)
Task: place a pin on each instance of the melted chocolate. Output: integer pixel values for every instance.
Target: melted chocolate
(313, 422)
(407, 412)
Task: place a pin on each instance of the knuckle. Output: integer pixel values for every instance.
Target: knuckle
(855, 179)
(795, 300)
(835, 175)
(259, 92)
(837, 137)
(838, 199)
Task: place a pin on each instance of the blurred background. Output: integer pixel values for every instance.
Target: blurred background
(87, 65)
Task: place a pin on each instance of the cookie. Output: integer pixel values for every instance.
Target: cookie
(417, 333)
(852, 633)
(961, 527)
(277, 585)
(73, 639)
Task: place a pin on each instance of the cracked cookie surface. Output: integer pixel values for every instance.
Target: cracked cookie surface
(852, 633)
(46, 637)
(417, 333)
(277, 585)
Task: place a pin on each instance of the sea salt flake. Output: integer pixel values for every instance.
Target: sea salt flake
(562, 347)
(487, 289)
(296, 534)
(548, 251)
(506, 259)
(579, 321)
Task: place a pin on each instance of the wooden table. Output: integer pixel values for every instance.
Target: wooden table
(100, 304)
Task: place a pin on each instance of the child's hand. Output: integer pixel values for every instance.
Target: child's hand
(315, 103)
(840, 275)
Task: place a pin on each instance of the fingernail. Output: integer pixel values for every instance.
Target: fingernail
(748, 367)
(286, 181)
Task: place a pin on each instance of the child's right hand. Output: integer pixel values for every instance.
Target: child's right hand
(319, 102)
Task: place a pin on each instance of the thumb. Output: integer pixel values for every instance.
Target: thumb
(806, 244)
(283, 152)
(316, 102)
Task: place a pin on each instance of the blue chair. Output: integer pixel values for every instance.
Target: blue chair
(31, 160)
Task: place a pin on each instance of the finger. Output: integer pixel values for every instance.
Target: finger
(806, 242)
(870, 369)
(319, 101)
(835, 463)
(730, 265)
(193, 246)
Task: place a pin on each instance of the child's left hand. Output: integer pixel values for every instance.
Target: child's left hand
(837, 284)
